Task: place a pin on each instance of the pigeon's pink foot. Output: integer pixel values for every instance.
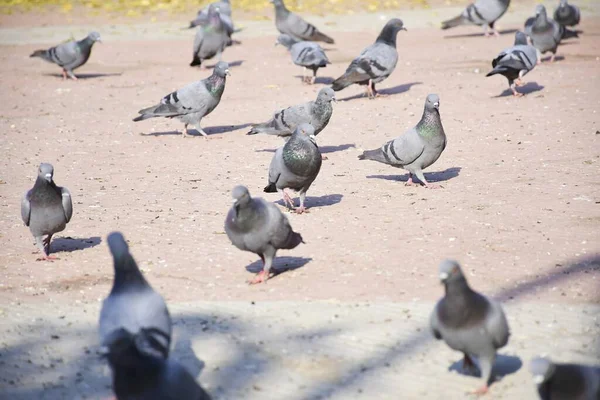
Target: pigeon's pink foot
(47, 258)
(64, 73)
(301, 210)
(324, 157)
(287, 200)
(480, 391)
(519, 82)
(496, 33)
(410, 182)
(259, 278)
(552, 58)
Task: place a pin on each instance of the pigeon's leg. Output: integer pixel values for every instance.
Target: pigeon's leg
(370, 94)
(202, 131)
(267, 258)
(514, 90)
(494, 30)
(302, 209)
(64, 74)
(486, 361)
(287, 200)
(486, 32)
(410, 182)
(44, 246)
(314, 77)
(185, 132)
(552, 57)
(71, 75)
(421, 177)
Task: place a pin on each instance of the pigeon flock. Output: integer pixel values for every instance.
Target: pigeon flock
(135, 326)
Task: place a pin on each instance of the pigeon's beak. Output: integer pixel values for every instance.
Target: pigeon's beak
(538, 379)
(234, 201)
(48, 177)
(403, 29)
(334, 99)
(313, 138)
(443, 276)
(227, 72)
(436, 104)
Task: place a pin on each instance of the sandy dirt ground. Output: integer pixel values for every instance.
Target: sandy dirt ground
(519, 207)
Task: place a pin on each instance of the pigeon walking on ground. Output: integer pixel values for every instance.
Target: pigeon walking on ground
(46, 209)
(545, 33)
(133, 307)
(224, 9)
(192, 102)
(375, 63)
(567, 14)
(565, 381)
(211, 38)
(308, 55)
(482, 12)
(258, 226)
(515, 62)
(293, 25)
(418, 147)
(70, 55)
(315, 112)
(295, 166)
(469, 322)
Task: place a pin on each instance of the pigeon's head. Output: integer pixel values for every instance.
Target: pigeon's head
(221, 69)
(117, 245)
(563, 4)
(540, 10)
(240, 196)
(306, 130)
(95, 36)
(277, 3)
(541, 369)
(450, 271)
(520, 38)
(46, 172)
(432, 102)
(396, 24)
(326, 94)
(285, 40)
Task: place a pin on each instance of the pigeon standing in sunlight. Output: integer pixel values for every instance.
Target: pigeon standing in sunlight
(375, 63)
(70, 55)
(565, 381)
(418, 147)
(482, 12)
(515, 62)
(211, 38)
(258, 226)
(308, 55)
(469, 322)
(293, 25)
(191, 103)
(545, 33)
(46, 209)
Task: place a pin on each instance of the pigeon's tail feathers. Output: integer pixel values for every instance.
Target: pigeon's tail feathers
(567, 34)
(321, 37)
(143, 117)
(451, 23)
(270, 188)
(498, 69)
(293, 240)
(374, 155)
(195, 61)
(341, 83)
(39, 53)
(265, 128)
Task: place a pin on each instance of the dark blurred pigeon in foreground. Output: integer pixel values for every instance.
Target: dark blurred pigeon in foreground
(133, 306)
(305, 54)
(418, 147)
(315, 112)
(567, 14)
(469, 322)
(293, 25)
(375, 63)
(515, 62)
(211, 39)
(482, 12)
(295, 166)
(70, 55)
(545, 33)
(258, 226)
(565, 381)
(192, 102)
(46, 209)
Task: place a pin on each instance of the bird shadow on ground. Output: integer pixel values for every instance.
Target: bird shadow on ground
(69, 244)
(280, 264)
(213, 130)
(387, 91)
(432, 177)
(480, 34)
(557, 58)
(322, 201)
(504, 365)
(88, 76)
(236, 63)
(339, 147)
(529, 87)
(225, 128)
(321, 80)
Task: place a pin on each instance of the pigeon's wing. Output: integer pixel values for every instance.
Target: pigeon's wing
(434, 323)
(285, 121)
(26, 207)
(67, 203)
(65, 54)
(308, 54)
(496, 325)
(405, 149)
(190, 99)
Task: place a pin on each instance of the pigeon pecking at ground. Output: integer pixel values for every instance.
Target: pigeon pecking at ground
(375, 63)
(46, 209)
(193, 102)
(515, 62)
(545, 33)
(482, 12)
(211, 38)
(295, 166)
(258, 226)
(70, 55)
(469, 322)
(565, 381)
(289, 23)
(418, 147)
(308, 55)
(567, 14)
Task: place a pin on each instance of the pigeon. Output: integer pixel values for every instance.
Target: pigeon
(469, 322)
(211, 38)
(565, 381)
(545, 33)
(293, 25)
(133, 306)
(375, 63)
(482, 12)
(258, 226)
(70, 55)
(567, 14)
(515, 62)
(193, 102)
(295, 166)
(316, 113)
(305, 54)
(224, 9)
(46, 209)
(418, 147)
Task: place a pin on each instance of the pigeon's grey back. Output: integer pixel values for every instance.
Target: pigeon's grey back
(486, 11)
(308, 54)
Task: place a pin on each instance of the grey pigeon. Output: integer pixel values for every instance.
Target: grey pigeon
(567, 14)
(482, 12)
(293, 25)
(295, 166)
(565, 381)
(133, 306)
(375, 63)
(469, 322)
(257, 226)
(211, 38)
(192, 102)
(315, 112)
(418, 147)
(545, 33)
(515, 62)
(305, 54)
(70, 55)
(46, 209)
(224, 9)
